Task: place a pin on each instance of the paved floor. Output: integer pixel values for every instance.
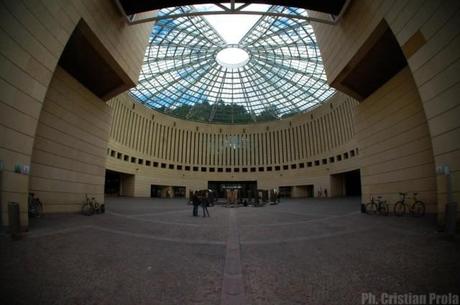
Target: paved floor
(146, 251)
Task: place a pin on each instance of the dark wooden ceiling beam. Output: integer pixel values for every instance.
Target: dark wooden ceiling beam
(333, 7)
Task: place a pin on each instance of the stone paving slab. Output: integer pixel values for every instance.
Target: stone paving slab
(336, 270)
(145, 251)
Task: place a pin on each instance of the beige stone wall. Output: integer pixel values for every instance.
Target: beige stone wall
(395, 143)
(32, 37)
(302, 150)
(70, 146)
(307, 137)
(430, 31)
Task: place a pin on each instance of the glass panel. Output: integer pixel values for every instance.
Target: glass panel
(282, 75)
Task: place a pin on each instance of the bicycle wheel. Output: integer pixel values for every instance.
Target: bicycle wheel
(87, 209)
(399, 208)
(371, 208)
(418, 209)
(97, 207)
(383, 209)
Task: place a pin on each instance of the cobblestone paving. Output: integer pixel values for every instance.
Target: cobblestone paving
(144, 251)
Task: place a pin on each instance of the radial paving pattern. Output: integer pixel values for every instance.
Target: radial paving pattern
(181, 76)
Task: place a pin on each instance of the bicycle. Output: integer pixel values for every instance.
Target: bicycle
(417, 208)
(378, 206)
(35, 206)
(90, 206)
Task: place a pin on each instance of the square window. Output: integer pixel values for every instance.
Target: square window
(228, 170)
(179, 167)
(133, 160)
(261, 169)
(112, 153)
(171, 166)
(339, 157)
(352, 153)
(119, 155)
(203, 169)
(187, 168)
(269, 168)
(285, 167)
(345, 155)
(293, 166)
(277, 168)
(163, 165)
(220, 170)
(195, 168)
(309, 164)
(301, 165)
(126, 158)
(331, 160)
(212, 169)
(245, 169)
(324, 161)
(236, 170)
(148, 163)
(155, 164)
(316, 162)
(140, 161)
(253, 169)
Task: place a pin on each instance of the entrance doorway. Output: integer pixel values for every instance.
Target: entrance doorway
(285, 191)
(158, 191)
(112, 183)
(346, 184)
(118, 184)
(247, 189)
(179, 191)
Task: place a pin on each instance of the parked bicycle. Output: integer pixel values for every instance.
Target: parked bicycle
(378, 206)
(90, 206)
(35, 206)
(417, 208)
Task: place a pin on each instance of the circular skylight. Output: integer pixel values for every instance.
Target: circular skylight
(232, 58)
(232, 69)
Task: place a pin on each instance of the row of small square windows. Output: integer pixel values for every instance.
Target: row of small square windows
(324, 161)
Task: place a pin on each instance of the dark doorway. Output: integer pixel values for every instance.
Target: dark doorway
(247, 189)
(112, 183)
(179, 191)
(285, 191)
(346, 184)
(353, 183)
(156, 191)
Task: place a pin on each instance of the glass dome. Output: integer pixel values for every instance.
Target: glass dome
(232, 69)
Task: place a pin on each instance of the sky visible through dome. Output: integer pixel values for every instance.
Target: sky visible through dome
(232, 68)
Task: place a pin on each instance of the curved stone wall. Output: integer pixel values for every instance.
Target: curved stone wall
(160, 149)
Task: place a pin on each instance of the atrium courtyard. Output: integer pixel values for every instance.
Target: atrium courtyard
(323, 138)
(141, 251)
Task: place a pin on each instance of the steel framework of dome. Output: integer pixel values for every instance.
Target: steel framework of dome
(282, 76)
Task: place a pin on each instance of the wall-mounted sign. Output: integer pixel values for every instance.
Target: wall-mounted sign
(25, 169)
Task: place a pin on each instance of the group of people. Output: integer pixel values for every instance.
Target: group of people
(320, 193)
(200, 198)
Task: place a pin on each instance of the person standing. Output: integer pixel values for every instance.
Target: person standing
(196, 203)
(204, 205)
